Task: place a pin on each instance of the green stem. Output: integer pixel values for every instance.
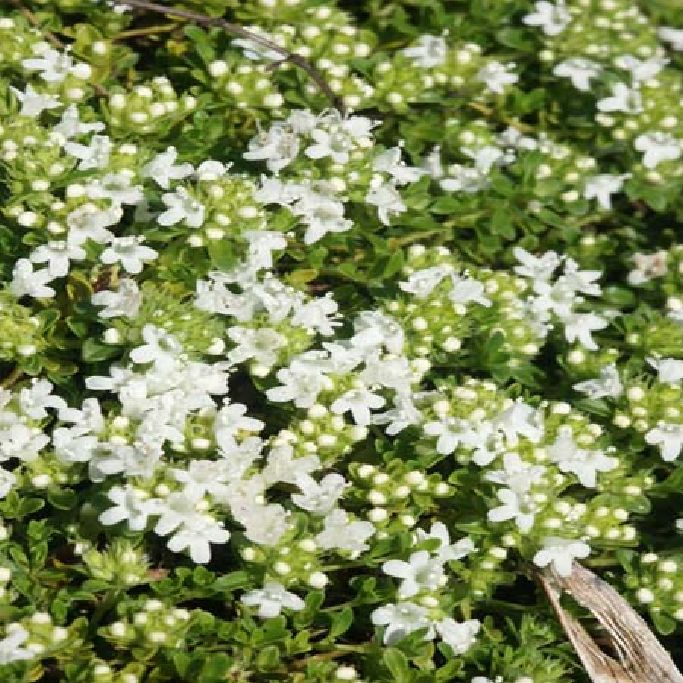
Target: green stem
(110, 599)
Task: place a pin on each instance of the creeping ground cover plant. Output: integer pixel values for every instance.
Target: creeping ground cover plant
(328, 327)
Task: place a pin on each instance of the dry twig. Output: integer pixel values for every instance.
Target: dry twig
(241, 32)
(640, 656)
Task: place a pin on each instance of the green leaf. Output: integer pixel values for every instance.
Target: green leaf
(397, 663)
(222, 253)
(201, 42)
(340, 622)
(232, 581)
(62, 499)
(93, 351)
(268, 658)
(664, 624)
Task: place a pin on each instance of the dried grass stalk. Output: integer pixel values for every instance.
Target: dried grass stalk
(640, 656)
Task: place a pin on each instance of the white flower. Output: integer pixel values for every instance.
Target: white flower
(429, 52)
(401, 620)
(446, 552)
(486, 157)
(375, 329)
(94, 155)
(70, 125)
(421, 573)
(449, 432)
(466, 290)
(669, 438)
(648, 266)
(282, 466)
(641, 69)
(432, 165)
(271, 599)
(32, 103)
(301, 383)
(256, 51)
(160, 348)
(27, 282)
(673, 36)
(129, 252)
(670, 370)
(422, 283)
(623, 98)
(263, 524)
(10, 650)
(132, 505)
(359, 402)
(517, 506)
(335, 143)
(608, 384)
(580, 280)
(390, 162)
(459, 636)
(319, 498)
(162, 168)
(343, 534)
(561, 553)
(74, 444)
(657, 147)
(57, 253)
(7, 481)
(204, 476)
(210, 169)
(394, 373)
(260, 344)
(536, 267)
(495, 76)
(117, 187)
(196, 535)
(387, 199)
(553, 19)
(317, 314)
(579, 70)
(463, 179)
(230, 421)
(578, 327)
(278, 147)
(585, 464)
(262, 244)
(302, 121)
(322, 214)
(54, 66)
(603, 186)
(34, 399)
(182, 206)
(178, 509)
(402, 415)
(90, 222)
(124, 302)
(19, 441)
(517, 474)
(519, 419)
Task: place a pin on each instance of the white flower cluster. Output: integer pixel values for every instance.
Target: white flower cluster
(346, 148)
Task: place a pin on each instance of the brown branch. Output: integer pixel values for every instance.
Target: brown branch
(13, 377)
(241, 32)
(640, 656)
(35, 22)
(145, 31)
